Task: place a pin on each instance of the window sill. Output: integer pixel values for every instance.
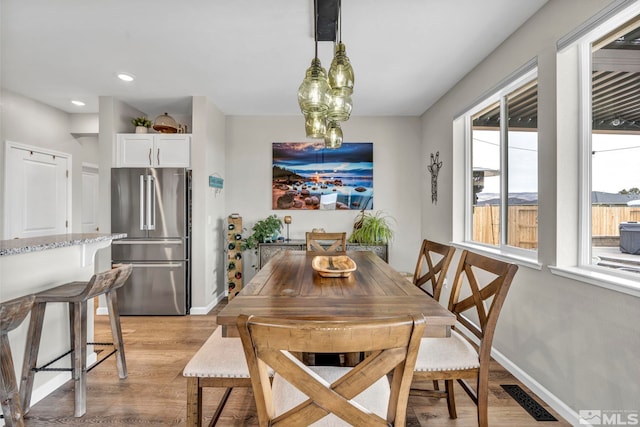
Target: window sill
(598, 278)
(502, 255)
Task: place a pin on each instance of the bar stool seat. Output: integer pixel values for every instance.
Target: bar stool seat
(12, 313)
(76, 294)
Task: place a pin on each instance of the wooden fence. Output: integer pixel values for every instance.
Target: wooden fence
(522, 230)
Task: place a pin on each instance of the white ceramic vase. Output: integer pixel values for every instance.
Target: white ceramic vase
(141, 129)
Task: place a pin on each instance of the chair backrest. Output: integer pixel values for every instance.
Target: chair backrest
(433, 262)
(487, 278)
(107, 280)
(389, 345)
(335, 242)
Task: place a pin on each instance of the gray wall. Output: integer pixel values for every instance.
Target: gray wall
(397, 178)
(576, 343)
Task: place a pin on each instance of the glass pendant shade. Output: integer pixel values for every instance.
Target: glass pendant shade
(341, 73)
(315, 125)
(313, 94)
(333, 137)
(340, 105)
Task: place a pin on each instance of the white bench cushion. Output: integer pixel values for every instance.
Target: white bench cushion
(218, 357)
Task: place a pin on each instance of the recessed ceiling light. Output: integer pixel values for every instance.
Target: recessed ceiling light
(125, 77)
(78, 103)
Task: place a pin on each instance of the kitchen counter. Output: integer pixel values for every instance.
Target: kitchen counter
(42, 243)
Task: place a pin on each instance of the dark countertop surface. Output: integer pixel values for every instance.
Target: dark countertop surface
(42, 243)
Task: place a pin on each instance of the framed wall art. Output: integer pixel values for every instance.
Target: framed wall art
(308, 176)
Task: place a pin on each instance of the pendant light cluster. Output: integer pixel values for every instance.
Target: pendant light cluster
(325, 100)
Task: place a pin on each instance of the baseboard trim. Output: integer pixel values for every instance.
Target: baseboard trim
(198, 311)
(543, 393)
(201, 311)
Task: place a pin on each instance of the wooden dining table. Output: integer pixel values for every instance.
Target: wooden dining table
(287, 286)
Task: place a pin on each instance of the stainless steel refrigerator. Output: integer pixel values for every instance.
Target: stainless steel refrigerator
(153, 206)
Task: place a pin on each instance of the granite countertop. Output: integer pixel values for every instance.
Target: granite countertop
(42, 243)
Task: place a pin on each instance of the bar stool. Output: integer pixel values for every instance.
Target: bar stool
(12, 313)
(76, 294)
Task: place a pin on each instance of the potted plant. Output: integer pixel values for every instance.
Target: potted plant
(263, 231)
(371, 228)
(142, 124)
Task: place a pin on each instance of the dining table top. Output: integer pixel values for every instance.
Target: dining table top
(287, 286)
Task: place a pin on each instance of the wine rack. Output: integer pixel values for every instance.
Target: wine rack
(234, 255)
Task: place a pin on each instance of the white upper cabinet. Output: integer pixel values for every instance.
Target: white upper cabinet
(162, 150)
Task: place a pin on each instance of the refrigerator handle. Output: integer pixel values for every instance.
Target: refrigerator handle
(142, 204)
(151, 202)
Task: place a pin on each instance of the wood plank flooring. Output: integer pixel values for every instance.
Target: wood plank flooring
(154, 394)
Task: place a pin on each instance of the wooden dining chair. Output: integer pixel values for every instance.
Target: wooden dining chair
(432, 266)
(302, 395)
(326, 242)
(455, 358)
(433, 263)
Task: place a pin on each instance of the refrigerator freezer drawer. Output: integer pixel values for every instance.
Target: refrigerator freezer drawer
(149, 250)
(154, 289)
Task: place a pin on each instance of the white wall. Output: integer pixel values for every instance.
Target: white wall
(209, 212)
(578, 342)
(397, 167)
(32, 123)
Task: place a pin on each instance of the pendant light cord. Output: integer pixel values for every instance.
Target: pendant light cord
(340, 20)
(315, 25)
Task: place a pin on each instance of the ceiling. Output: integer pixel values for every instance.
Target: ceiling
(247, 56)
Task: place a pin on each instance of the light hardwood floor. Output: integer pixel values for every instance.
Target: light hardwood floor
(154, 394)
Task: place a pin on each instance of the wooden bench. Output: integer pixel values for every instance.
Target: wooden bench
(220, 362)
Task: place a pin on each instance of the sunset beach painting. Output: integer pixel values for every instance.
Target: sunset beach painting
(308, 176)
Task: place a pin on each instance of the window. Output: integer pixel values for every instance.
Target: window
(598, 100)
(611, 149)
(502, 152)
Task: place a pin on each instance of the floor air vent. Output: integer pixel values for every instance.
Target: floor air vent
(531, 406)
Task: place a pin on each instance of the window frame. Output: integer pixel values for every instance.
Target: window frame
(498, 95)
(585, 58)
(580, 41)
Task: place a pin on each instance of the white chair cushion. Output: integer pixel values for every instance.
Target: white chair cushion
(218, 357)
(445, 354)
(375, 398)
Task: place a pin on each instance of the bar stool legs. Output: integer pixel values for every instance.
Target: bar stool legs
(12, 313)
(78, 319)
(76, 295)
(9, 394)
(116, 333)
(31, 354)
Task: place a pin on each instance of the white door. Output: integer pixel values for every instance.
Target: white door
(36, 197)
(90, 198)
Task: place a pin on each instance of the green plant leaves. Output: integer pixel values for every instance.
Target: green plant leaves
(372, 228)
